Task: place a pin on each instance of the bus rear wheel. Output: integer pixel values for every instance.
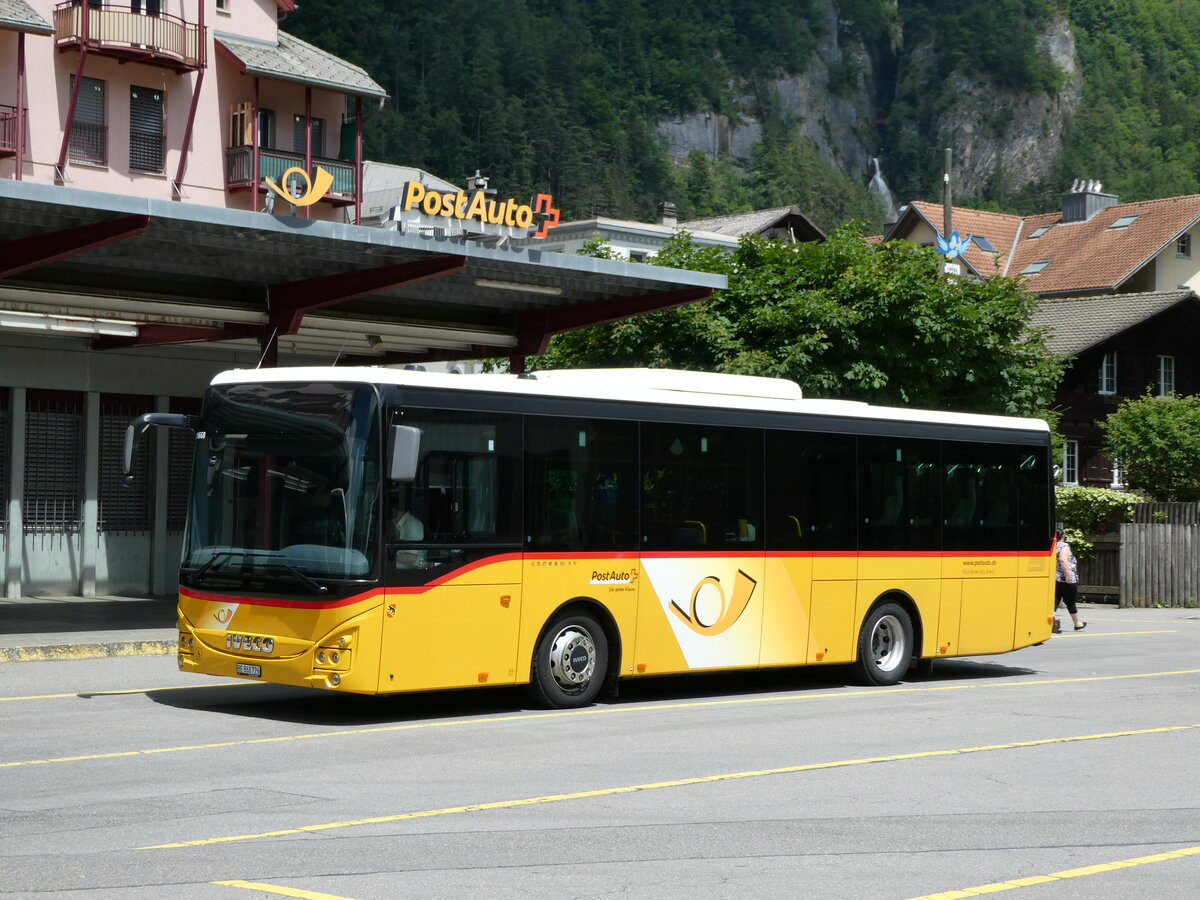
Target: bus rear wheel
(570, 662)
(885, 645)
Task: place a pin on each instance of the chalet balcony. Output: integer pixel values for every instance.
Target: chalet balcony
(239, 171)
(8, 129)
(154, 38)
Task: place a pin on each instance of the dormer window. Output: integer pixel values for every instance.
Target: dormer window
(1040, 231)
(1123, 222)
(982, 243)
(1035, 267)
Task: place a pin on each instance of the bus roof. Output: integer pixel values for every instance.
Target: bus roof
(661, 386)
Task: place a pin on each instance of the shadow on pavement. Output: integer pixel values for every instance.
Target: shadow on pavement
(324, 708)
(56, 615)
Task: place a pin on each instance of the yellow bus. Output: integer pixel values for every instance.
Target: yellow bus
(374, 530)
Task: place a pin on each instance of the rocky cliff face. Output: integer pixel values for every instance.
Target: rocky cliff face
(846, 92)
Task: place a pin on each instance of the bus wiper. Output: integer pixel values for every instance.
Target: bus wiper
(198, 575)
(307, 579)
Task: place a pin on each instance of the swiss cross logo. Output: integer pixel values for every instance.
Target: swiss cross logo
(548, 216)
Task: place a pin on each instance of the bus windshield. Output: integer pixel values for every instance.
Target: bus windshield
(286, 486)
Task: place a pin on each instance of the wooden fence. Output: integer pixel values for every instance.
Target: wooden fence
(1160, 565)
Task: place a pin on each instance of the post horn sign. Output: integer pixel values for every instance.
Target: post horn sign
(477, 211)
(314, 188)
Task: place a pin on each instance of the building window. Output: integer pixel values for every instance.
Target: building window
(146, 138)
(1123, 222)
(266, 128)
(318, 135)
(1035, 267)
(983, 243)
(53, 461)
(1070, 462)
(89, 134)
(1108, 374)
(1166, 376)
(1039, 232)
(223, 6)
(1183, 247)
(123, 507)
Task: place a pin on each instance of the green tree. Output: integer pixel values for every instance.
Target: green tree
(1157, 440)
(843, 318)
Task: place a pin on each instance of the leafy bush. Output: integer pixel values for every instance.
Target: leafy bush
(1157, 440)
(1088, 511)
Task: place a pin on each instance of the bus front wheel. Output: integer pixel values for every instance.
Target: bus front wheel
(885, 645)
(570, 662)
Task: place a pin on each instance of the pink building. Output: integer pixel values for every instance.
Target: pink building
(158, 98)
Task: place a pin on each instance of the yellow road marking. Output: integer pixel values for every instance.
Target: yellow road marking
(88, 694)
(681, 782)
(998, 886)
(1123, 633)
(592, 711)
(277, 889)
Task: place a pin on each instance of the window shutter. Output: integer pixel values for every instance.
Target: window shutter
(146, 129)
(53, 461)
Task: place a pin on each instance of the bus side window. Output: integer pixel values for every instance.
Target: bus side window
(702, 487)
(581, 484)
(811, 491)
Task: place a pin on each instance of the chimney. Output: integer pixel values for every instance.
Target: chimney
(1084, 200)
(667, 213)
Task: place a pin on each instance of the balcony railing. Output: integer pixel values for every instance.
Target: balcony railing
(147, 151)
(239, 171)
(89, 144)
(8, 128)
(159, 39)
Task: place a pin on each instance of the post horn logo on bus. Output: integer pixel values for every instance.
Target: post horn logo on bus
(477, 206)
(313, 191)
(710, 613)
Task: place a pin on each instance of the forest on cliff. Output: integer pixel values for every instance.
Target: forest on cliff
(569, 96)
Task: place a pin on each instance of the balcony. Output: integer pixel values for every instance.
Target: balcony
(156, 39)
(239, 171)
(8, 129)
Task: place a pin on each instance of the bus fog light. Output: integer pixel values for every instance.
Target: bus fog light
(334, 679)
(334, 657)
(321, 656)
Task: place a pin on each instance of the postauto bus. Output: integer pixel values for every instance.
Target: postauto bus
(375, 530)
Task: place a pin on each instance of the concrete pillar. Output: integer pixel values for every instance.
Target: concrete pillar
(16, 495)
(89, 539)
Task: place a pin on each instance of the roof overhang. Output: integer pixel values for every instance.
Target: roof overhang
(17, 15)
(168, 273)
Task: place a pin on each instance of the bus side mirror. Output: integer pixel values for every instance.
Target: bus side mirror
(133, 434)
(404, 449)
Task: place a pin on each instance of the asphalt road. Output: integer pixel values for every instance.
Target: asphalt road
(1066, 770)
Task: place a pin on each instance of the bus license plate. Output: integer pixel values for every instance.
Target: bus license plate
(252, 671)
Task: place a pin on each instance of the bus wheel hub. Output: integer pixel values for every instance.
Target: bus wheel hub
(572, 657)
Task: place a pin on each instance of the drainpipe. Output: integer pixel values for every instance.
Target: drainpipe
(60, 170)
(202, 64)
(308, 160)
(254, 150)
(20, 101)
(358, 161)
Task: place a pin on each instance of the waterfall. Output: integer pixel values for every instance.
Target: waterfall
(878, 186)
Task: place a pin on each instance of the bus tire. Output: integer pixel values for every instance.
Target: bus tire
(885, 645)
(570, 662)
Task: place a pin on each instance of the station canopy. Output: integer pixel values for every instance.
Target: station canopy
(135, 272)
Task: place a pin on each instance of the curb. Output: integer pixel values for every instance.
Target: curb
(87, 651)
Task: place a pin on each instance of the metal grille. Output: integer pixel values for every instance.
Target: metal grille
(146, 142)
(124, 507)
(89, 136)
(53, 461)
(180, 447)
